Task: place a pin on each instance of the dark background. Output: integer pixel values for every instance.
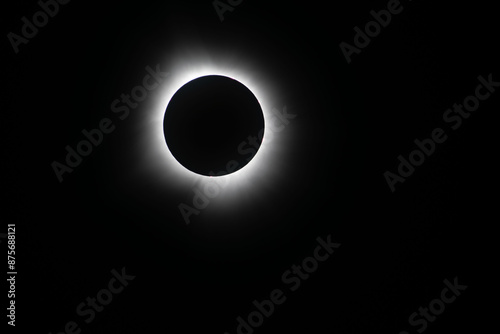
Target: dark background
(354, 120)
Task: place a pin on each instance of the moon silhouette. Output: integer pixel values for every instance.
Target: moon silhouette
(211, 123)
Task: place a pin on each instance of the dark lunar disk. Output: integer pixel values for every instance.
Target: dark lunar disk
(211, 123)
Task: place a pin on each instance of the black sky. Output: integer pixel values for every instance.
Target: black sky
(353, 122)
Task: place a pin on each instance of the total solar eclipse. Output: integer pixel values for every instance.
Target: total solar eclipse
(206, 121)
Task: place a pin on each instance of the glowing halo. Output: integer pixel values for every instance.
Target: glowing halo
(155, 159)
